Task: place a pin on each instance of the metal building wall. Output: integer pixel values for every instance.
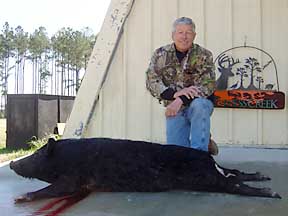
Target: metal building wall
(126, 110)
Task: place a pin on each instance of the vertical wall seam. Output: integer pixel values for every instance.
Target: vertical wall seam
(286, 109)
(177, 8)
(260, 112)
(124, 82)
(230, 113)
(150, 35)
(101, 108)
(232, 21)
(204, 23)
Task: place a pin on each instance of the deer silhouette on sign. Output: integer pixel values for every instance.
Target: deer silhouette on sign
(225, 70)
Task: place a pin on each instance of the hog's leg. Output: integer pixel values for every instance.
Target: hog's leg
(243, 189)
(231, 182)
(53, 190)
(242, 176)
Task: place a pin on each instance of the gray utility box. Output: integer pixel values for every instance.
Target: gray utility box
(37, 115)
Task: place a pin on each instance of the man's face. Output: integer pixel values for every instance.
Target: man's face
(183, 37)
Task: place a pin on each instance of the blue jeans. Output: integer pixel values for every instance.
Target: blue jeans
(191, 126)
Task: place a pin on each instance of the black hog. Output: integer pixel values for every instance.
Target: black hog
(102, 164)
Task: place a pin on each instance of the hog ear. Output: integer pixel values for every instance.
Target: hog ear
(50, 146)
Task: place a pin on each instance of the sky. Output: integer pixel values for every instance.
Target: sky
(53, 14)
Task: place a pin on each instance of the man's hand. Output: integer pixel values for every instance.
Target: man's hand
(173, 108)
(189, 92)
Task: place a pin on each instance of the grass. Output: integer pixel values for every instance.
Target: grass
(2, 133)
(9, 154)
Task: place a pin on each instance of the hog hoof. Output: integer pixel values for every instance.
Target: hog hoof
(276, 195)
(271, 193)
(262, 177)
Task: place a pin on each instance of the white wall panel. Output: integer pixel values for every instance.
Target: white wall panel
(274, 37)
(246, 26)
(109, 117)
(220, 37)
(136, 52)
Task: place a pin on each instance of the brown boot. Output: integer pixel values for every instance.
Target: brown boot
(212, 147)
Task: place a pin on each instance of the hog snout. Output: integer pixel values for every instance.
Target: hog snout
(18, 168)
(12, 165)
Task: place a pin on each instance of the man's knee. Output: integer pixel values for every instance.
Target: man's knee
(201, 105)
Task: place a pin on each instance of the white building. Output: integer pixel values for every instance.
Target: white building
(123, 108)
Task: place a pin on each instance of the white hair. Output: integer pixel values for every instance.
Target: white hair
(183, 21)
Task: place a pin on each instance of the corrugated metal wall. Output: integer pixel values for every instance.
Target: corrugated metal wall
(125, 108)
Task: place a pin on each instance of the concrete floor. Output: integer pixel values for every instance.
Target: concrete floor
(272, 162)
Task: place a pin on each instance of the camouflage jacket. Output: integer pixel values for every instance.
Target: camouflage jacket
(166, 72)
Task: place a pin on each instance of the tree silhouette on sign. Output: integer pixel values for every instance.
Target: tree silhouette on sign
(242, 73)
(260, 80)
(252, 65)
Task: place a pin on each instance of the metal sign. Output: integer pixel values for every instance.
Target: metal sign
(252, 99)
(247, 78)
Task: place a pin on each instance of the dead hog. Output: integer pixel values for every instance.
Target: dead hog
(103, 164)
